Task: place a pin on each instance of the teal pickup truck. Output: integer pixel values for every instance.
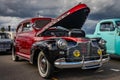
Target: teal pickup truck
(109, 30)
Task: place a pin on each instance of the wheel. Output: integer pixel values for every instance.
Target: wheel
(44, 67)
(14, 57)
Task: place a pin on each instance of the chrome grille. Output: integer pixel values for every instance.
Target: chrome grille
(86, 49)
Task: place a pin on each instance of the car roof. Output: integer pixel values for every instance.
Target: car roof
(36, 18)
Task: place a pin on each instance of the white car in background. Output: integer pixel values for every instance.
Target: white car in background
(11, 35)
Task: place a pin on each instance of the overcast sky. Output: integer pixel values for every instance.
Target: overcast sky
(14, 11)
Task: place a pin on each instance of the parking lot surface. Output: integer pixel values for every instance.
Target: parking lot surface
(23, 70)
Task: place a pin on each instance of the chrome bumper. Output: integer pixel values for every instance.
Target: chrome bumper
(61, 63)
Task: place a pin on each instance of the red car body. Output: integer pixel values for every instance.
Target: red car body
(25, 39)
(45, 42)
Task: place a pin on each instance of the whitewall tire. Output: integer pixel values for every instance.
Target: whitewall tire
(44, 67)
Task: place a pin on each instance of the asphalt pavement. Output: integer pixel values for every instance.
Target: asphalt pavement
(23, 70)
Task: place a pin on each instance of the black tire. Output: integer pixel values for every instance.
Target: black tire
(44, 67)
(14, 57)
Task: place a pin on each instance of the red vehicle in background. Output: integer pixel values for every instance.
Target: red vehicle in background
(59, 43)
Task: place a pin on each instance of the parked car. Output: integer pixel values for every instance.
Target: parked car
(59, 43)
(5, 42)
(109, 30)
(11, 34)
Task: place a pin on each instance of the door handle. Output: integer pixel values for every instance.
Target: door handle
(98, 34)
(111, 33)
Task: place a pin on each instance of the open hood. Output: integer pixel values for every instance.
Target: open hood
(73, 18)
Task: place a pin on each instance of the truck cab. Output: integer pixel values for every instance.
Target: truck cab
(109, 30)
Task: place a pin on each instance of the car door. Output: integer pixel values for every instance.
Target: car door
(18, 39)
(24, 39)
(28, 38)
(107, 32)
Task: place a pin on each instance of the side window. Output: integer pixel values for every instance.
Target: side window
(108, 26)
(19, 28)
(27, 27)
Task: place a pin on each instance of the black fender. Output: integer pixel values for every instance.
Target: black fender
(44, 46)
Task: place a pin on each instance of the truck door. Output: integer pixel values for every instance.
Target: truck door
(107, 32)
(117, 45)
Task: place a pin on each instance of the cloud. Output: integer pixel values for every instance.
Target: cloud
(29, 8)
(14, 9)
(12, 21)
(103, 9)
(89, 26)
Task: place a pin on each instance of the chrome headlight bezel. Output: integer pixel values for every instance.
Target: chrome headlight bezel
(102, 42)
(62, 44)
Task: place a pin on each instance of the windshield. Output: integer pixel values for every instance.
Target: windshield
(4, 36)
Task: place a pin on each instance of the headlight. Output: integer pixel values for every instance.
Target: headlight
(103, 42)
(62, 44)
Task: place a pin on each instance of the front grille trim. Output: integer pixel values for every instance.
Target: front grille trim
(86, 49)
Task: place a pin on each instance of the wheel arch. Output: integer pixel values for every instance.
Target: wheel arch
(41, 46)
(35, 50)
(34, 56)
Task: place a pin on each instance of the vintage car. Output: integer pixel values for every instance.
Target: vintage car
(11, 34)
(59, 43)
(5, 42)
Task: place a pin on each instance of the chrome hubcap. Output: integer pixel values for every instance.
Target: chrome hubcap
(43, 64)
